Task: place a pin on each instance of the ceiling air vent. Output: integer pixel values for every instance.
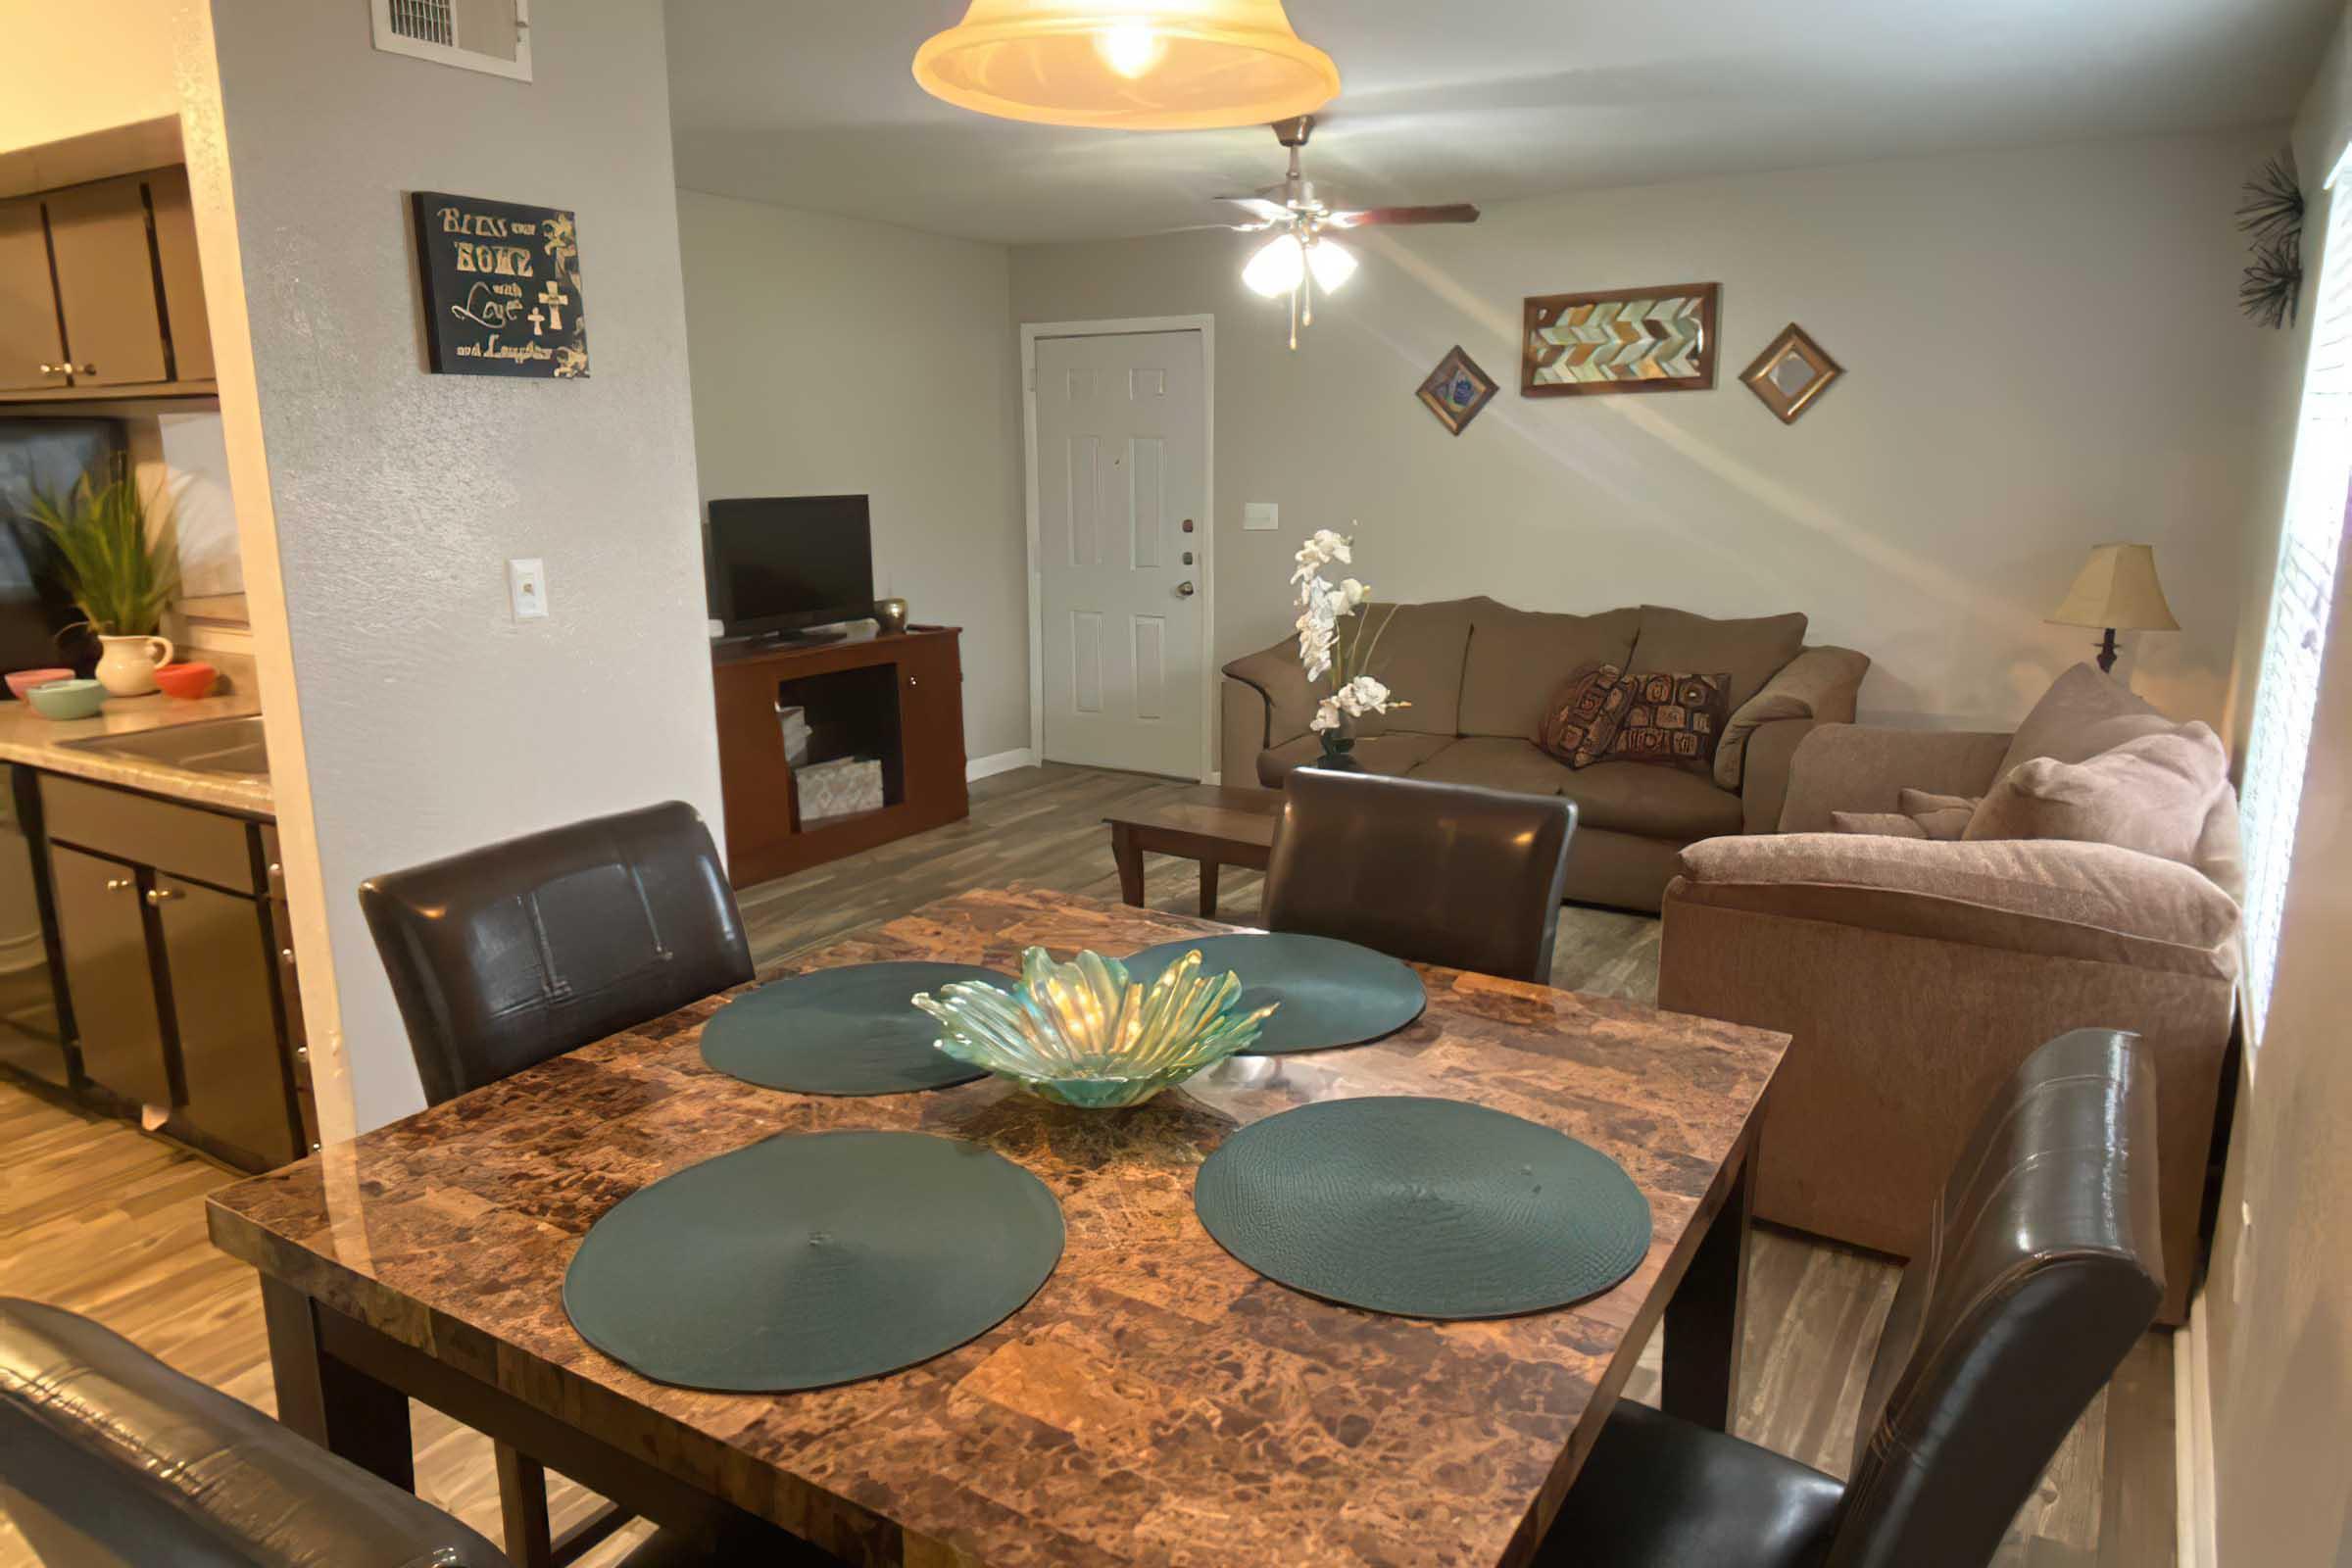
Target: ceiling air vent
(487, 36)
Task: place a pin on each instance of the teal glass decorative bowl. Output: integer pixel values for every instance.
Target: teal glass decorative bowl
(1083, 1033)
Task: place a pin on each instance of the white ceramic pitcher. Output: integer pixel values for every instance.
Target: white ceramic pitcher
(126, 667)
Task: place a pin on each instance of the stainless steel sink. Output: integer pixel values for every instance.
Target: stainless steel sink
(214, 746)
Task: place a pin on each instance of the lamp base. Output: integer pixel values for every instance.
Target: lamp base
(2107, 653)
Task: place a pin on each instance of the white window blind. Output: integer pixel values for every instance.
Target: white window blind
(2311, 539)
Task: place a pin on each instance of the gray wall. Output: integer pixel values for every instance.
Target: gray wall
(432, 721)
(2042, 350)
(837, 355)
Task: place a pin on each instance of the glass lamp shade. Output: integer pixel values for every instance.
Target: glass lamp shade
(1277, 266)
(1128, 64)
(1331, 264)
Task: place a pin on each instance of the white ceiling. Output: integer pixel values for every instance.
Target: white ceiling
(810, 103)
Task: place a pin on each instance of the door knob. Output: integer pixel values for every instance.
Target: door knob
(1185, 588)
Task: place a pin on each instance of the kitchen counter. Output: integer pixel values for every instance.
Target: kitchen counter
(28, 738)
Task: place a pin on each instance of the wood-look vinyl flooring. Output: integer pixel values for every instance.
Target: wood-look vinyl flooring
(99, 1218)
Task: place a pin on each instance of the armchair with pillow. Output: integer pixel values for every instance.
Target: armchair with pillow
(1934, 907)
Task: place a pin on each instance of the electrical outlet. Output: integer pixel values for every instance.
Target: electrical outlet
(1259, 516)
(526, 589)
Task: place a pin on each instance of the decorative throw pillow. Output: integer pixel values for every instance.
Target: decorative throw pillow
(1671, 720)
(2151, 795)
(1939, 816)
(1583, 713)
(1878, 824)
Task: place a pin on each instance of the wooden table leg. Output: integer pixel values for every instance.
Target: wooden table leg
(1209, 890)
(1701, 1378)
(522, 1507)
(1130, 856)
(329, 1402)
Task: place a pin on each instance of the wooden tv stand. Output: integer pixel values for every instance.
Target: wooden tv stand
(897, 699)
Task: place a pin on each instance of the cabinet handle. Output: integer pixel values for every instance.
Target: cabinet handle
(303, 1053)
(115, 884)
(87, 369)
(278, 872)
(57, 369)
(912, 681)
(159, 895)
(285, 955)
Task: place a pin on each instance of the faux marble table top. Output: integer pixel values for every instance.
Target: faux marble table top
(1156, 1402)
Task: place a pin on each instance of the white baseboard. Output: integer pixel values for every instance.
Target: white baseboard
(2194, 1541)
(980, 767)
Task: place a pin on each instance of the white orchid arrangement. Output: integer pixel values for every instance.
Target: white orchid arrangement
(1325, 645)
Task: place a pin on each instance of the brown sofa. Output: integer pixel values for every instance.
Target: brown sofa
(1916, 976)
(1479, 675)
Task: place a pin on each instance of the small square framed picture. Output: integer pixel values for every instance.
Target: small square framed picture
(1791, 373)
(1456, 390)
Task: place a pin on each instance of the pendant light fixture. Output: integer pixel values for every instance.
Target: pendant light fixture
(1128, 64)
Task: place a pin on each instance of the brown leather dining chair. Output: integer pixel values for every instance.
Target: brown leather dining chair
(1436, 874)
(2043, 1271)
(505, 955)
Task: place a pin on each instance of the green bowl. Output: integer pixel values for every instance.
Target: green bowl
(1083, 1033)
(66, 698)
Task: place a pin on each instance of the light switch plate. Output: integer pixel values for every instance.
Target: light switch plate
(1260, 517)
(526, 588)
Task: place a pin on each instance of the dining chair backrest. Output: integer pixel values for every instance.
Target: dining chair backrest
(505, 955)
(1436, 874)
(2043, 1269)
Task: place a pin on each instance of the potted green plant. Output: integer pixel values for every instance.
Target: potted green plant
(115, 558)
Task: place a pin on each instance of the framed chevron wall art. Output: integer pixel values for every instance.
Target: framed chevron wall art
(1659, 339)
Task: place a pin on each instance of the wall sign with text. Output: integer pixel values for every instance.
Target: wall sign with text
(502, 287)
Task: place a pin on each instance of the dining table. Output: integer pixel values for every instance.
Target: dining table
(1155, 1403)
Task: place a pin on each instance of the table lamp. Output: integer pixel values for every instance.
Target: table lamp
(2117, 591)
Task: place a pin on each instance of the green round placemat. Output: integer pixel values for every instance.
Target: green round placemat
(1332, 992)
(1423, 1208)
(813, 1258)
(849, 1031)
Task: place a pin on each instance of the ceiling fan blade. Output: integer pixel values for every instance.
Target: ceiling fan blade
(1265, 212)
(1372, 217)
(1194, 229)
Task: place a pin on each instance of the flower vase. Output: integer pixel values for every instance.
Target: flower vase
(127, 667)
(1339, 752)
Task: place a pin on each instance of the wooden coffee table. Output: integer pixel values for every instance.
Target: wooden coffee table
(1211, 825)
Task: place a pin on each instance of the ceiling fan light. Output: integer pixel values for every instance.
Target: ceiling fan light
(1332, 264)
(1129, 64)
(1131, 49)
(1276, 269)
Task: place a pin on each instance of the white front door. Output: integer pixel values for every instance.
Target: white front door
(1122, 519)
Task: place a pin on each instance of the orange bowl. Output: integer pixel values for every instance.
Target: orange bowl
(187, 681)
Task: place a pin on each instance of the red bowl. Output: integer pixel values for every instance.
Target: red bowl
(187, 681)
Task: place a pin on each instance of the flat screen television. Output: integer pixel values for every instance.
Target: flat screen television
(783, 563)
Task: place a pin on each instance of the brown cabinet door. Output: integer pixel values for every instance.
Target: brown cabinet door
(107, 975)
(217, 954)
(184, 279)
(931, 724)
(30, 351)
(98, 234)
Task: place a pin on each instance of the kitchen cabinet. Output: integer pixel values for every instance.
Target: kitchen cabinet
(32, 348)
(100, 291)
(104, 935)
(171, 953)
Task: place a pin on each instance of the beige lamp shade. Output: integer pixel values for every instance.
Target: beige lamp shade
(1128, 64)
(2118, 588)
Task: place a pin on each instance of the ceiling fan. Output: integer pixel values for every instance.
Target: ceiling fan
(1300, 259)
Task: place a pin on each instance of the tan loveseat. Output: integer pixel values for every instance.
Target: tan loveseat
(1915, 975)
(1479, 675)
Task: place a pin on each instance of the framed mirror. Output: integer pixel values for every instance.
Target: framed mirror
(1790, 373)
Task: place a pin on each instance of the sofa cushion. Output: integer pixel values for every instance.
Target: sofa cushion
(1419, 657)
(1656, 802)
(2082, 900)
(1886, 824)
(1669, 720)
(2152, 795)
(1497, 763)
(1518, 658)
(1753, 651)
(1390, 755)
(2080, 716)
(1939, 816)
(1583, 715)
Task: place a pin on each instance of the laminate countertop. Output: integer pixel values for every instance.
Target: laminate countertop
(27, 738)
